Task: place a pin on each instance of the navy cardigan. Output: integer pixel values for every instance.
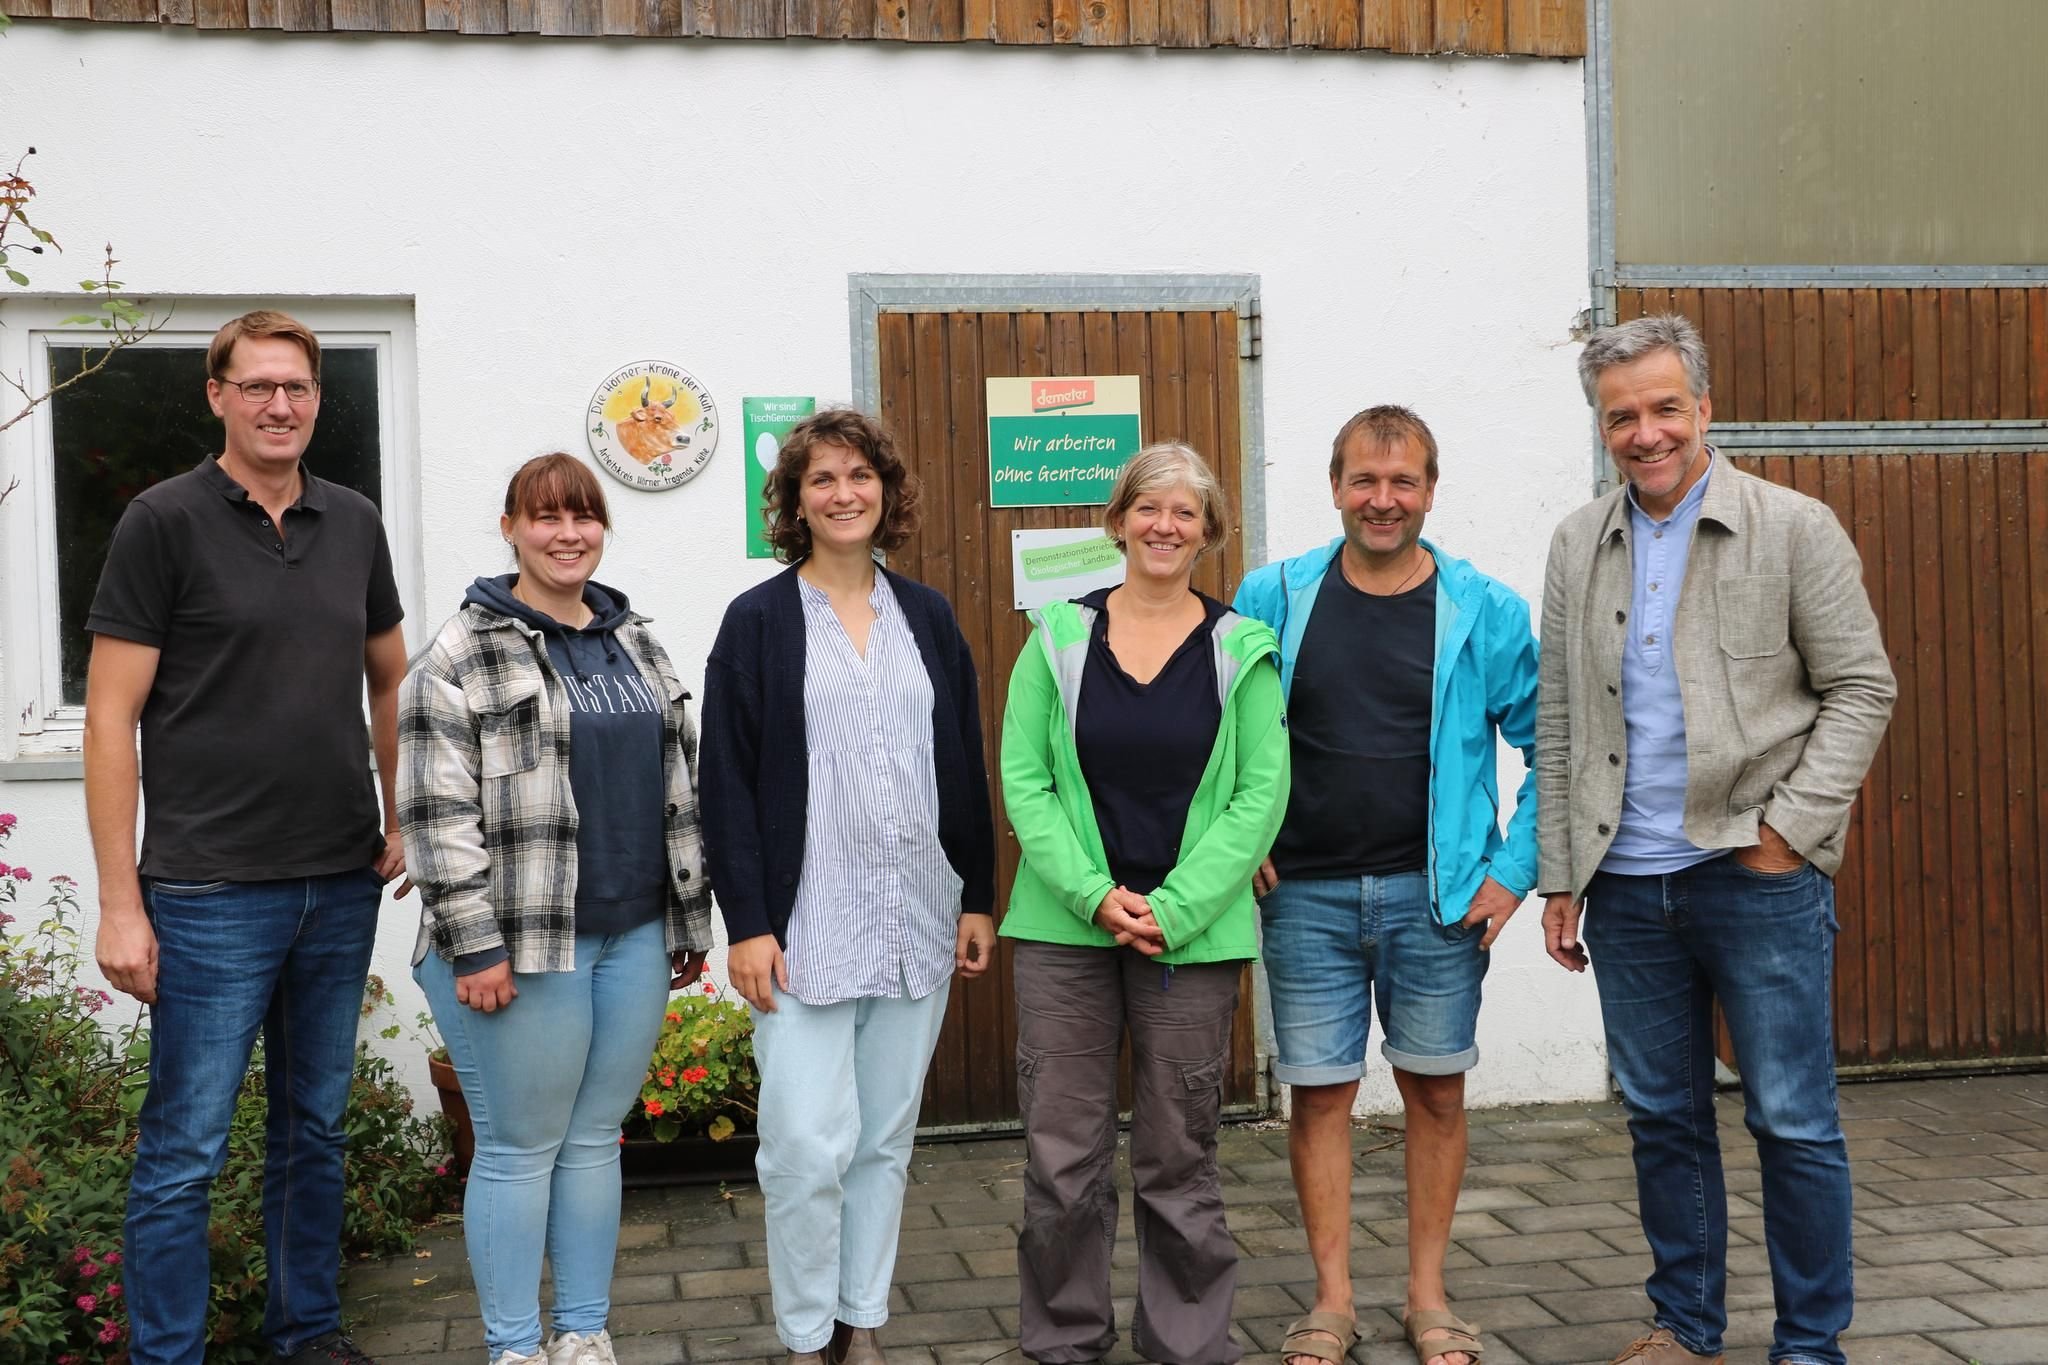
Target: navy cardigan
(754, 777)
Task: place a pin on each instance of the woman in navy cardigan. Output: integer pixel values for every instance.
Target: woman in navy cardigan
(849, 841)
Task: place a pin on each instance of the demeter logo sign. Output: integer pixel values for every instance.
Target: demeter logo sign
(1048, 394)
(1059, 442)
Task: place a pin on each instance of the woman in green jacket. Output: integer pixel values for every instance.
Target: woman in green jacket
(1145, 773)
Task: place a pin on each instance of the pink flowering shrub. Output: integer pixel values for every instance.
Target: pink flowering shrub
(701, 1079)
(68, 1089)
(69, 1093)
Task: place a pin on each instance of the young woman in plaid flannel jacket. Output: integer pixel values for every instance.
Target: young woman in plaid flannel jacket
(546, 790)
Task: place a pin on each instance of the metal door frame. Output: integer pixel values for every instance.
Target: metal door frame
(868, 296)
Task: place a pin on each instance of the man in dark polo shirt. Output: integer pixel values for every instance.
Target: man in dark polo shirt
(241, 609)
(1390, 878)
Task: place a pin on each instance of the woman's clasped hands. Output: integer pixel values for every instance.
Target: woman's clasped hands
(1128, 916)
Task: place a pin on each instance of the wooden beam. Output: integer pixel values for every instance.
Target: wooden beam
(570, 18)
(303, 16)
(1471, 26)
(1105, 23)
(746, 19)
(1325, 23)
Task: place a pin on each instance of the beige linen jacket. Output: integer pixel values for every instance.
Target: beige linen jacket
(1781, 671)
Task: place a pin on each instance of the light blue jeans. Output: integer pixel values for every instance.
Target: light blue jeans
(1337, 947)
(840, 1089)
(548, 1079)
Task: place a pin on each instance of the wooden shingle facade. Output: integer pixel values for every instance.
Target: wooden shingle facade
(1537, 28)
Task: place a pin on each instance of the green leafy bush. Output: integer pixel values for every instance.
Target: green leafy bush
(702, 1079)
(69, 1094)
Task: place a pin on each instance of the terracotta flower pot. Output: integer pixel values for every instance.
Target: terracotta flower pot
(449, 1086)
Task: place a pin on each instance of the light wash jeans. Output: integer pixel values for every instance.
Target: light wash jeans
(286, 958)
(548, 1079)
(840, 1089)
(1336, 948)
(1664, 949)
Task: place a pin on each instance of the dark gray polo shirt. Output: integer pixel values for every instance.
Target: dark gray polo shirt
(255, 755)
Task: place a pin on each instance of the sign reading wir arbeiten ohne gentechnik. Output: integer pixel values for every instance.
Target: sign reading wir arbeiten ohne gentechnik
(1059, 442)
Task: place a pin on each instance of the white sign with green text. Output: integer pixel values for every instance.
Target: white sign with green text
(1052, 566)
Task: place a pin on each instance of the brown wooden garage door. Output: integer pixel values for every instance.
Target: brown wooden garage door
(1944, 893)
(1942, 896)
(932, 367)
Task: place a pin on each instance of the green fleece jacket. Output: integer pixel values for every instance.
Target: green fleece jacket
(1205, 904)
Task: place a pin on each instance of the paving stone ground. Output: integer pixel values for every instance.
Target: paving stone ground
(1951, 1246)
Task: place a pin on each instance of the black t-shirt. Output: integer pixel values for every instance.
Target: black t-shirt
(1143, 746)
(255, 757)
(1358, 717)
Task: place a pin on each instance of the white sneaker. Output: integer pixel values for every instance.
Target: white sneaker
(574, 1348)
(514, 1358)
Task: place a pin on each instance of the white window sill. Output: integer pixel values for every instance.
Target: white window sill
(43, 768)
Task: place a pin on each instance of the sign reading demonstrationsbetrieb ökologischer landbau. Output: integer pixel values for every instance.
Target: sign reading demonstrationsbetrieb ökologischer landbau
(1059, 442)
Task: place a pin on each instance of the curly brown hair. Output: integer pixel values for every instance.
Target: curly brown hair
(867, 438)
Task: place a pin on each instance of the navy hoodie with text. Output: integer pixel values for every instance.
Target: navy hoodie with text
(614, 764)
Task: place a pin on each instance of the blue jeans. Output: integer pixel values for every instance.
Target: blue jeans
(1664, 948)
(288, 958)
(548, 1079)
(1335, 947)
(840, 1090)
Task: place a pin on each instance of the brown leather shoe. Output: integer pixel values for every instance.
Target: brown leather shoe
(1661, 1348)
(804, 1358)
(854, 1346)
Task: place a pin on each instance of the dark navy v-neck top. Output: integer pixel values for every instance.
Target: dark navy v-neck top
(1143, 746)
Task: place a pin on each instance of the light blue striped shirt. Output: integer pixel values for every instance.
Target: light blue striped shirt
(878, 904)
(1649, 840)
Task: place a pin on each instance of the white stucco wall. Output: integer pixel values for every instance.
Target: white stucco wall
(556, 208)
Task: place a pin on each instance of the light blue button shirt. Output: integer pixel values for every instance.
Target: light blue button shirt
(1650, 839)
(877, 903)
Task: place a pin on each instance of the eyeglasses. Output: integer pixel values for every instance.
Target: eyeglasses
(261, 390)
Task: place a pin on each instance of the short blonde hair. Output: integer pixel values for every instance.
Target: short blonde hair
(1169, 464)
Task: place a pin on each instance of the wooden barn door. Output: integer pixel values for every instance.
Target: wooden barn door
(1943, 894)
(932, 396)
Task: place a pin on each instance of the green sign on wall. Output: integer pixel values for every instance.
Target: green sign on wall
(766, 421)
(1059, 442)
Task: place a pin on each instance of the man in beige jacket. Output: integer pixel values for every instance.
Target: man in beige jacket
(1713, 690)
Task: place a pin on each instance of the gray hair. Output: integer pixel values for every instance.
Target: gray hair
(1169, 464)
(1632, 340)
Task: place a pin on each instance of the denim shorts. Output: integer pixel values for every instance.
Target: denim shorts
(1335, 947)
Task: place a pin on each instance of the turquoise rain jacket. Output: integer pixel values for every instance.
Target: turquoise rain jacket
(1485, 681)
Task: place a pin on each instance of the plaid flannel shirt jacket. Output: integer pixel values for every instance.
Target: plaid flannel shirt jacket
(484, 801)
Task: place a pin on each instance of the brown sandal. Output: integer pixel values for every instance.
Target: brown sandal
(1451, 1333)
(1328, 1337)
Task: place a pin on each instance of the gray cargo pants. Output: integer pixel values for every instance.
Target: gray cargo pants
(1073, 1005)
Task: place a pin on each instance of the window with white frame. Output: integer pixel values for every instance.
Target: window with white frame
(141, 418)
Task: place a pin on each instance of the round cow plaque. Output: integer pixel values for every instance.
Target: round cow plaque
(652, 425)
